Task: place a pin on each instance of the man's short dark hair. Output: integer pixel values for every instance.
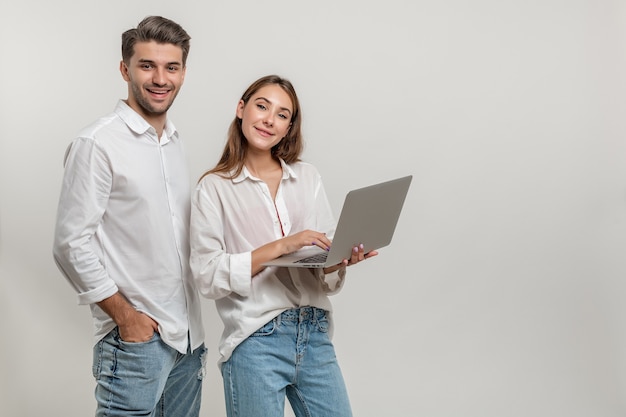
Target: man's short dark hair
(158, 29)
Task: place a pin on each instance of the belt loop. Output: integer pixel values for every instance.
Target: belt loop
(309, 312)
(278, 319)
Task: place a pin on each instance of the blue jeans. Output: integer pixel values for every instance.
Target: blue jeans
(146, 379)
(290, 356)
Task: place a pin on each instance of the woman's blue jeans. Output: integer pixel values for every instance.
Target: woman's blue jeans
(291, 356)
(146, 379)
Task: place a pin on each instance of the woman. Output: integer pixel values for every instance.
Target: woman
(258, 203)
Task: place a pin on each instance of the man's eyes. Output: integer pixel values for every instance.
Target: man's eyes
(171, 68)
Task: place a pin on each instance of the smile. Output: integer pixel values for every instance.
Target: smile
(264, 132)
(158, 92)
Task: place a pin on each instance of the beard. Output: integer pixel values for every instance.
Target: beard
(148, 107)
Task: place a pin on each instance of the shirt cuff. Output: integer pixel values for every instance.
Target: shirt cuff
(97, 294)
(240, 275)
(332, 282)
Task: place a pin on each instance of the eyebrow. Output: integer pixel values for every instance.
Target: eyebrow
(267, 101)
(149, 61)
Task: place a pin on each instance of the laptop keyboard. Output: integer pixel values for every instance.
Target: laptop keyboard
(314, 259)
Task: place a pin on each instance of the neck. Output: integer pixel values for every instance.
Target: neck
(157, 121)
(260, 165)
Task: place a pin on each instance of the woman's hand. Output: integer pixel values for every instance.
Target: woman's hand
(357, 256)
(287, 245)
(299, 240)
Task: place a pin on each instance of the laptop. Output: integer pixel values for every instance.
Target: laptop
(369, 217)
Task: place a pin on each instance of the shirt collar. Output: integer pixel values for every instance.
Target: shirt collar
(139, 125)
(288, 172)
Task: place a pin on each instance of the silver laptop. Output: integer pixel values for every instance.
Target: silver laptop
(369, 217)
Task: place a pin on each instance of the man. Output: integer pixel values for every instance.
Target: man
(121, 236)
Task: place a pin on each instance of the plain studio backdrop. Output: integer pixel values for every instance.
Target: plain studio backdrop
(503, 293)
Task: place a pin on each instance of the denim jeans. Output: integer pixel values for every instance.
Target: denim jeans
(146, 379)
(290, 356)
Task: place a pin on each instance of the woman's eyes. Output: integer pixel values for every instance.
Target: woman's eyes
(263, 107)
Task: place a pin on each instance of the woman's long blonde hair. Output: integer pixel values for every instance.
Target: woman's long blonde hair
(289, 148)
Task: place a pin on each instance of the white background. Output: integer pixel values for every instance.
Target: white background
(503, 293)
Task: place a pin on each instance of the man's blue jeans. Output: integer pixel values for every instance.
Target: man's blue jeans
(146, 379)
(290, 356)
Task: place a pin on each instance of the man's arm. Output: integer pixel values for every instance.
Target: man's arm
(133, 325)
(83, 201)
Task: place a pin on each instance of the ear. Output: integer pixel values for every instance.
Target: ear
(240, 107)
(124, 71)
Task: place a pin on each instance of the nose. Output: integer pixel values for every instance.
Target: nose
(268, 120)
(158, 77)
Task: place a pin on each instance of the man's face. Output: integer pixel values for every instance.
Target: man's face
(154, 74)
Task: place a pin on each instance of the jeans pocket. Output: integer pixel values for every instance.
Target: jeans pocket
(266, 330)
(130, 345)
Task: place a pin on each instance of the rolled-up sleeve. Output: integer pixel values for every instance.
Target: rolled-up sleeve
(217, 273)
(331, 283)
(84, 195)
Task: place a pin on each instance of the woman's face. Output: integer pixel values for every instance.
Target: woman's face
(266, 117)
